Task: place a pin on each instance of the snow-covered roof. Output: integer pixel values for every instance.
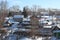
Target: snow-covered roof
(18, 16)
(29, 16)
(6, 18)
(47, 26)
(56, 31)
(44, 12)
(58, 25)
(49, 17)
(25, 38)
(26, 19)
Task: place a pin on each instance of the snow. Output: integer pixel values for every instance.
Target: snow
(40, 38)
(47, 26)
(53, 38)
(25, 38)
(18, 16)
(36, 38)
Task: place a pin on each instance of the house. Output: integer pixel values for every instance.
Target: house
(56, 33)
(26, 21)
(18, 18)
(47, 21)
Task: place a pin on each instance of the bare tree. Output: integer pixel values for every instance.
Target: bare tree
(14, 8)
(3, 11)
(35, 10)
(26, 11)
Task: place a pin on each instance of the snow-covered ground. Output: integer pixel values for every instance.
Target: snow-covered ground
(25, 38)
(39, 38)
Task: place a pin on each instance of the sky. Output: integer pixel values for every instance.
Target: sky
(42, 3)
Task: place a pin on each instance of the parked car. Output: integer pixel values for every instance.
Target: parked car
(6, 24)
(11, 21)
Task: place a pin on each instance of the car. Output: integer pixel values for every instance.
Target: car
(6, 24)
(11, 21)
